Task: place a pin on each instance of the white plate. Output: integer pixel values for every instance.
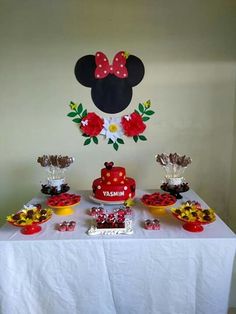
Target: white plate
(96, 200)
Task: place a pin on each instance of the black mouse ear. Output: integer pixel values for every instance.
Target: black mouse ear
(85, 70)
(135, 69)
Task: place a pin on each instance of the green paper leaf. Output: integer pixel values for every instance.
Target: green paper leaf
(145, 118)
(141, 108)
(77, 120)
(88, 141)
(72, 114)
(142, 138)
(95, 140)
(79, 109)
(120, 141)
(84, 114)
(85, 135)
(135, 138)
(115, 146)
(137, 111)
(110, 141)
(149, 112)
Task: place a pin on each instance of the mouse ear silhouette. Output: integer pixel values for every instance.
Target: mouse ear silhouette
(111, 84)
(84, 70)
(135, 69)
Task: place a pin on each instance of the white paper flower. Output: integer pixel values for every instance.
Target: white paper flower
(112, 128)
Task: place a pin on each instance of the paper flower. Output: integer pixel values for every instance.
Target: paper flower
(112, 128)
(91, 124)
(133, 124)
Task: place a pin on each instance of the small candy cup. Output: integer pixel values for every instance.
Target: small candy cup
(62, 227)
(93, 211)
(148, 224)
(70, 227)
(128, 211)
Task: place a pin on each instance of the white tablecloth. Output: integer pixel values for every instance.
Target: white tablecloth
(170, 271)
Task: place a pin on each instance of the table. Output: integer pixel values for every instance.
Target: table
(170, 271)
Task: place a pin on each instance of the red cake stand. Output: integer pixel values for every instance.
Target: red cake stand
(193, 226)
(31, 228)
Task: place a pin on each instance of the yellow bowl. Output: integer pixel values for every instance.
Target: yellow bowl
(64, 210)
(157, 210)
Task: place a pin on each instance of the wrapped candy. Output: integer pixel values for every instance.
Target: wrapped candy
(152, 224)
(95, 211)
(62, 227)
(71, 226)
(66, 226)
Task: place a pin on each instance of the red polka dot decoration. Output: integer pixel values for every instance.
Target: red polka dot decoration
(111, 84)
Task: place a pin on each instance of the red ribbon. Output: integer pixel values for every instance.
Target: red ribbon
(117, 68)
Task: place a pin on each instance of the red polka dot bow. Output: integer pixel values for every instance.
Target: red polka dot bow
(117, 68)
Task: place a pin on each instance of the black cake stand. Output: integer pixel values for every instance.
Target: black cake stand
(176, 189)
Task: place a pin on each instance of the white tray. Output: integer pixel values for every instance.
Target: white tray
(128, 229)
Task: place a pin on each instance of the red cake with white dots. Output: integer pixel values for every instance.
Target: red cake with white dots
(113, 185)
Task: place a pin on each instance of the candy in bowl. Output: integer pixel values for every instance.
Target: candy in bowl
(158, 202)
(193, 217)
(30, 219)
(63, 203)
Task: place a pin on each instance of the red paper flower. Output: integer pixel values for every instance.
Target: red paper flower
(91, 124)
(133, 124)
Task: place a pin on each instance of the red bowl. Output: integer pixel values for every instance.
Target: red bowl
(158, 199)
(63, 200)
(31, 228)
(193, 226)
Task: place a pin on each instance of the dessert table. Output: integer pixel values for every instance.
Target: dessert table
(166, 271)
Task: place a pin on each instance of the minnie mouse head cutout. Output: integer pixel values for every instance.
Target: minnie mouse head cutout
(111, 84)
(111, 90)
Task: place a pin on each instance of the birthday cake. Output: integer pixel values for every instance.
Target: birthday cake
(113, 185)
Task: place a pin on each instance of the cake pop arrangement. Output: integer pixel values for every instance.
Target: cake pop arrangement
(55, 166)
(122, 211)
(112, 222)
(174, 166)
